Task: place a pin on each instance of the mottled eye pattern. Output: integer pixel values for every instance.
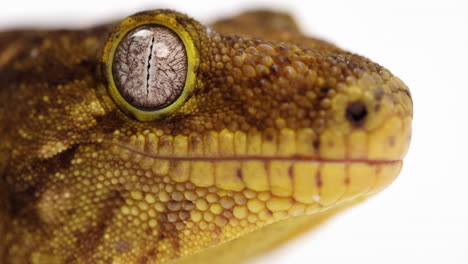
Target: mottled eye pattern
(150, 67)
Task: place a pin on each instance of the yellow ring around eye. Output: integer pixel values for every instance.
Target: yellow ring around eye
(113, 42)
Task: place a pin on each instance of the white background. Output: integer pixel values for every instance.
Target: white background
(423, 216)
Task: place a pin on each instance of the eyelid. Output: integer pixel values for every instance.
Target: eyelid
(161, 18)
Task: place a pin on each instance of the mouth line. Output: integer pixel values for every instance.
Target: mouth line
(294, 158)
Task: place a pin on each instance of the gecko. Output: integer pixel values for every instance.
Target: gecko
(158, 139)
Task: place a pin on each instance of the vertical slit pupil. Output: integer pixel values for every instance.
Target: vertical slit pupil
(149, 66)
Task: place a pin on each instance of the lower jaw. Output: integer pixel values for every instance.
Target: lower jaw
(315, 185)
(294, 196)
(286, 186)
(236, 195)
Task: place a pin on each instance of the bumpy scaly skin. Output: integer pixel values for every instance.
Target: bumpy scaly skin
(279, 125)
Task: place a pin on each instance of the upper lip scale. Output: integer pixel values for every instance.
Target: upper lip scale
(260, 158)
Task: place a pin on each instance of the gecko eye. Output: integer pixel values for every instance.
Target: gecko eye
(150, 64)
(150, 67)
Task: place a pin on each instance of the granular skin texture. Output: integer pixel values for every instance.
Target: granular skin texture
(280, 129)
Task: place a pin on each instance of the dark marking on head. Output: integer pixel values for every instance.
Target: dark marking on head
(64, 158)
(269, 136)
(291, 172)
(346, 181)
(239, 174)
(184, 215)
(356, 113)
(183, 20)
(318, 179)
(21, 202)
(282, 60)
(195, 142)
(150, 255)
(275, 68)
(391, 141)
(379, 93)
(143, 260)
(167, 227)
(173, 205)
(324, 90)
(282, 48)
(165, 142)
(109, 122)
(377, 107)
(302, 90)
(188, 205)
(70, 259)
(316, 144)
(89, 239)
(122, 246)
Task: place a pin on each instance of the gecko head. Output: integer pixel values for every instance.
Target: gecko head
(172, 137)
(227, 133)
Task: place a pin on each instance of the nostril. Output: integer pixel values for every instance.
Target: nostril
(356, 113)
